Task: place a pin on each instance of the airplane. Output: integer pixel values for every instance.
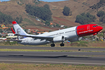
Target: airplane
(69, 34)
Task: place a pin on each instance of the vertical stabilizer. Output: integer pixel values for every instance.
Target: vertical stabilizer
(18, 29)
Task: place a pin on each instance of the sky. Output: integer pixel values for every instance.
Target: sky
(4, 0)
(41, 0)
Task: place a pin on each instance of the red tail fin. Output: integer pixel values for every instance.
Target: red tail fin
(13, 31)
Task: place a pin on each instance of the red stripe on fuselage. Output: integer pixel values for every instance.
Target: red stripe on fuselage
(84, 30)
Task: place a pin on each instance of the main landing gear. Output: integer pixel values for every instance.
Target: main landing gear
(53, 45)
(62, 44)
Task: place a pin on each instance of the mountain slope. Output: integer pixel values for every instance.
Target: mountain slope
(17, 8)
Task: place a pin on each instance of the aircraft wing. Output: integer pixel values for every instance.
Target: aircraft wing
(49, 38)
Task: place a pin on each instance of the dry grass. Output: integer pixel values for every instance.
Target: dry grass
(77, 7)
(4, 66)
(32, 50)
(97, 44)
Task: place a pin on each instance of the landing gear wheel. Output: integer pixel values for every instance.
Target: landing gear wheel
(62, 44)
(52, 45)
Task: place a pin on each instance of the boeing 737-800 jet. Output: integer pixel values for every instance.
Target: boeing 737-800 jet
(71, 34)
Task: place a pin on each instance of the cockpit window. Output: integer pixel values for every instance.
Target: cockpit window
(95, 26)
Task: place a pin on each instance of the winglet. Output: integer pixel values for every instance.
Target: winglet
(13, 31)
(14, 22)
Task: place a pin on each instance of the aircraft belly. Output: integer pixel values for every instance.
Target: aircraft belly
(34, 42)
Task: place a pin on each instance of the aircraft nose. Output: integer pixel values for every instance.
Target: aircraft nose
(100, 28)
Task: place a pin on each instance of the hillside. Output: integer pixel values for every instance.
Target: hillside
(17, 8)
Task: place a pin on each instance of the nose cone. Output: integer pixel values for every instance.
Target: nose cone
(100, 28)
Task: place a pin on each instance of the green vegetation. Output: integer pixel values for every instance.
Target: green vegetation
(18, 19)
(102, 19)
(36, 1)
(100, 13)
(98, 5)
(86, 44)
(5, 18)
(8, 19)
(10, 43)
(31, 50)
(29, 21)
(66, 11)
(47, 23)
(82, 43)
(85, 18)
(20, 66)
(57, 25)
(40, 12)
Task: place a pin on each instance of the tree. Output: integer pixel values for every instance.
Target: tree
(29, 9)
(47, 22)
(19, 20)
(40, 12)
(6, 19)
(46, 6)
(91, 17)
(82, 20)
(98, 5)
(66, 11)
(100, 13)
(102, 19)
(85, 18)
(102, 1)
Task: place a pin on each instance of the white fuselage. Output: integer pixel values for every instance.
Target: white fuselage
(72, 34)
(68, 34)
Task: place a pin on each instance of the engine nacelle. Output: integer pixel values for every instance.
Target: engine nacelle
(59, 39)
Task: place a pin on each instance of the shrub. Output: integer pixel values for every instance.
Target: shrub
(100, 13)
(66, 11)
